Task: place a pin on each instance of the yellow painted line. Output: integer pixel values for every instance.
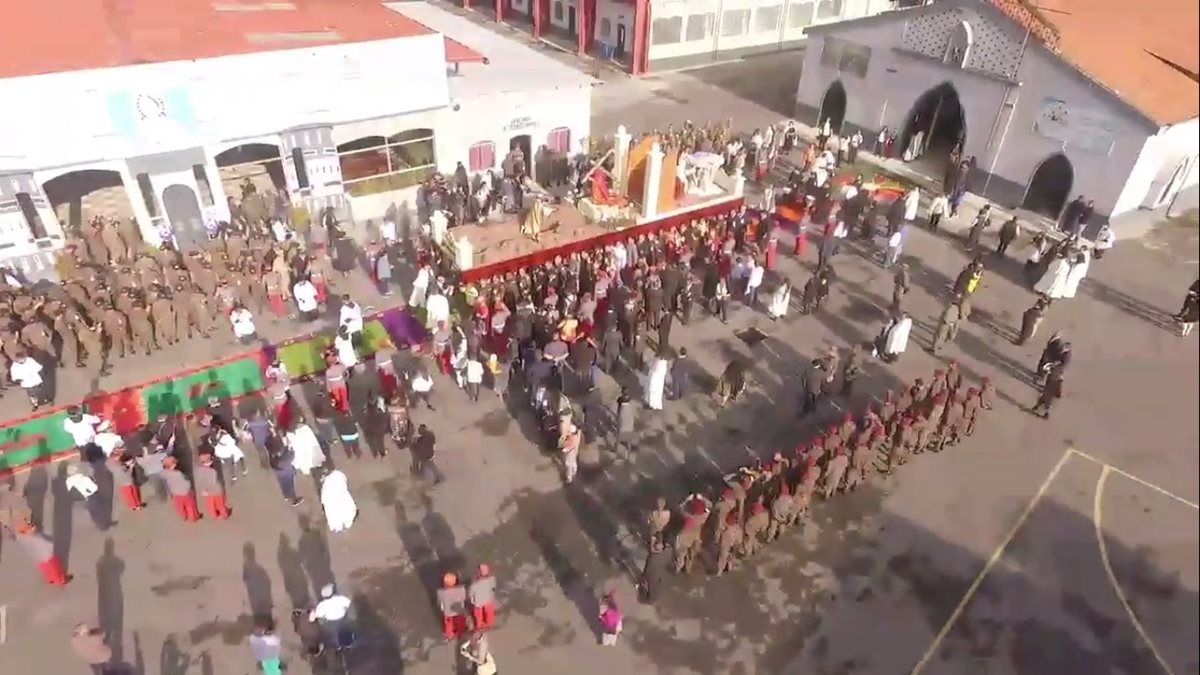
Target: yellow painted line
(1145, 483)
(991, 562)
(1098, 521)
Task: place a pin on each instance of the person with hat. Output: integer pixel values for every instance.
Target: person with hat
(333, 613)
(452, 600)
(481, 594)
(83, 428)
(180, 489)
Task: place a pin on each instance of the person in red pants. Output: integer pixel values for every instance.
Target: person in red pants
(335, 385)
(482, 596)
(123, 480)
(41, 550)
(180, 489)
(452, 599)
(210, 487)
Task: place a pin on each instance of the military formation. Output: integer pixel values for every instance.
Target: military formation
(119, 298)
(756, 504)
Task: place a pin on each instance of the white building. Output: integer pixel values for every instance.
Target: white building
(1086, 97)
(687, 33)
(345, 105)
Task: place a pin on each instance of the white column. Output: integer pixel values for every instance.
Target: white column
(138, 203)
(621, 159)
(220, 207)
(653, 178)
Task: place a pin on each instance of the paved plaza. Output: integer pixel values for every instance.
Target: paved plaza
(1034, 548)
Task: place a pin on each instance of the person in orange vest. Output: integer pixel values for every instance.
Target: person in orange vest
(180, 489)
(481, 593)
(452, 599)
(209, 486)
(41, 550)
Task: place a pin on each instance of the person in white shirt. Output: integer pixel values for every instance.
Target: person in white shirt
(753, 283)
(83, 428)
(350, 316)
(80, 482)
(474, 377)
(307, 454)
(938, 208)
(343, 345)
(422, 388)
(226, 448)
(27, 372)
(912, 201)
(332, 613)
(894, 245)
(305, 294)
(109, 443)
(389, 232)
(243, 324)
(1105, 239)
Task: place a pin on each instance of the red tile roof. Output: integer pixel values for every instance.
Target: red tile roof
(1147, 53)
(46, 36)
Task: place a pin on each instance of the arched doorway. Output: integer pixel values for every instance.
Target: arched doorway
(1050, 186)
(78, 196)
(183, 213)
(259, 163)
(524, 143)
(936, 125)
(833, 107)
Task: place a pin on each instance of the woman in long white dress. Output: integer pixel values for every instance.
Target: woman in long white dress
(306, 449)
(420, 287)
(340, 509)
(1053, 283)
(895, 340)
(1078, 271)
(656, 383)
(780, 299)
(437, 310)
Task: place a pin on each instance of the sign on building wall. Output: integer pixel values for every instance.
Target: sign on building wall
(1075, 127)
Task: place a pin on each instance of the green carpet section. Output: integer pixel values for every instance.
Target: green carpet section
(25, 442)
(303, 358)
(187, 393)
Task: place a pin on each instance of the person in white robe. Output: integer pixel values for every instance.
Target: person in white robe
(656, 383)
(896, 339)
(912, 204)
(780, 300)
(340, 509)
(420, 287)
(437, 308)
(307, 454)
(1053, 283)
(1078, 271)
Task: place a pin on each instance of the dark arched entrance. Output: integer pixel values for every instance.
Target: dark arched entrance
(833, 107)
(935, 126)
(79, 196)
(259, 163)
(183, 212)
(1049, 186)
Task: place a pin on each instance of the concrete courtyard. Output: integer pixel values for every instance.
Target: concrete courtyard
(1034, 548)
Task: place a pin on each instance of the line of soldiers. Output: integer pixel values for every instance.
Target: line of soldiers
(116, 302)
(757, 503)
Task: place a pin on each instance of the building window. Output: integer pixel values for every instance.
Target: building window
(800, 15)
(735, 22)
(148, 197)
(845, 56)
(829, 9)
(605, 27)
(481, 156)
(558, 11)
(666, 30)
(36, 227)
(559, 140)
(958, 50)
(699, 26)
(766, 19)
(301, 169)
(374, 164)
